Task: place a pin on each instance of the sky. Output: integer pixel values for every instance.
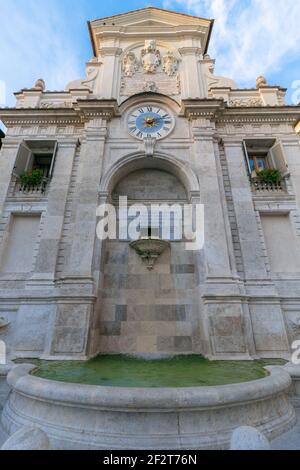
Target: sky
(49, 39)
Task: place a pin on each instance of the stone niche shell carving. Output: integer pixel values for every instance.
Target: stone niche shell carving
(151, 58)
(130, 64)
(170, 64)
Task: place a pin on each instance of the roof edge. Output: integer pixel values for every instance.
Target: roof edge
(153, 8)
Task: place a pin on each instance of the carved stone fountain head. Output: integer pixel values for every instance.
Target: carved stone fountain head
(149, 249)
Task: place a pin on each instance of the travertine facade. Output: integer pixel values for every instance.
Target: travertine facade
(63, 293)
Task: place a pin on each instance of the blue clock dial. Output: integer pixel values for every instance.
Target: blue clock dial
(151, 121)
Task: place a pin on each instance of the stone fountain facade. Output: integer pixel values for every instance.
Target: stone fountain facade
(64, 294)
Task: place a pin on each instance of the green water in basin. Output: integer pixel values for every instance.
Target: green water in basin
(126, 371)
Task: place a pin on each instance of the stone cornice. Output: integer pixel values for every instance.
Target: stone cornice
(91, 109)
(264, 114)
(201, 108)
(83, 111)
(33, 116)
(218, 110)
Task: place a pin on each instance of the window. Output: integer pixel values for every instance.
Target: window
(36, 155)
(258, 163)
(261, 154)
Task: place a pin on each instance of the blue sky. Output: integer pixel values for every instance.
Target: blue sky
(49, 38)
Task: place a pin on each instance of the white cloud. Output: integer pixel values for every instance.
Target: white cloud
(251, 37)
(35, 43)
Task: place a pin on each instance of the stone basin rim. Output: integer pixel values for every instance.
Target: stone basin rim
(20, 379)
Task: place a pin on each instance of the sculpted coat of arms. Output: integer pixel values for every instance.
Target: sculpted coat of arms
(150, 68)
(170, 64)
(151, 58)
(130, 64)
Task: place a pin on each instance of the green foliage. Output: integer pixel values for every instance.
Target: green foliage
(269, 176)
(31, 179)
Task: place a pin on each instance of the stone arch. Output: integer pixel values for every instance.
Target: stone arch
(161, 161)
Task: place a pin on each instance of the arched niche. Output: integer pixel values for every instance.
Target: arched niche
(160, 162)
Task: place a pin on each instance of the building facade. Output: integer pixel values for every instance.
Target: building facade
(64, 293)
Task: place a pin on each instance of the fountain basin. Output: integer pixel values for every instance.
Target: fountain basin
(99, 417)
(149, 249)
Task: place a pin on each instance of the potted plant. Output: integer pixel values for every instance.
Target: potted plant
(269, 176)
(31, 179)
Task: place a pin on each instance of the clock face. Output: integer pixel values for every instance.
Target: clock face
(150, 121)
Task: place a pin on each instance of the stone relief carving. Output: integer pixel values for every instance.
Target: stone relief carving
(56, 104)
(150, 86)
(151, 58)
(170, 64)
(161, 66)
(130, 64)
(248, 102)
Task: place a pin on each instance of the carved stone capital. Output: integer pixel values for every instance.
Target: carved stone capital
(190, 51)
(110, 51)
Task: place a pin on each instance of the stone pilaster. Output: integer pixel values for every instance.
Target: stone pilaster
(73, 322)
(252, 252)
(222, 291)
(264, 303)
(192, 85)
(108, 79)
(8, 155)
(216, 245)
(91, 163)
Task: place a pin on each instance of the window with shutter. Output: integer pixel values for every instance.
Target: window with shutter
(35, 164)
(261, 154)
(276, 155)
(23, 159)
